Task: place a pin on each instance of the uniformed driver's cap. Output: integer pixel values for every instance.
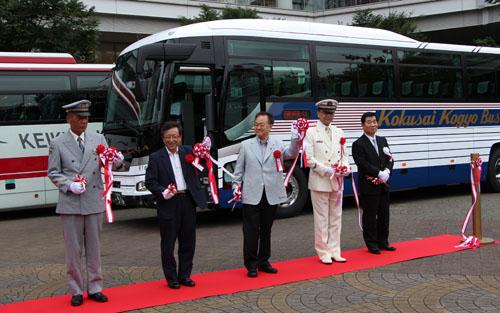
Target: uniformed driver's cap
(327, 105)
(80, 108)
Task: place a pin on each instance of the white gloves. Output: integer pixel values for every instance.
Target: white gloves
(77, 188)
(384, 175)
(167, 194)
(329, 171)
(294, 132)
(118, 160)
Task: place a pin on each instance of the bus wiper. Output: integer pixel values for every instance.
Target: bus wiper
(126, 124)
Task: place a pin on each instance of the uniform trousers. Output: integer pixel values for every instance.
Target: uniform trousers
(83, 232)
(181, 227)
(257, 223)
(375, 219)
(327, 208)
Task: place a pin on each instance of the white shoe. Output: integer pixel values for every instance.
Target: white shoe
(326, 260)
(339, 259)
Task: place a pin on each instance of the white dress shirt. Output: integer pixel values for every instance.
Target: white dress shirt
(82, 135)
(180, 182)
(373, 140)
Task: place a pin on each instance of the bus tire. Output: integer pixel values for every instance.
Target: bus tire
(493, 176)
(297, 194)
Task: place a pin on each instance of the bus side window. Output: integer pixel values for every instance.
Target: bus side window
(378, 88)
(345, 89)
(407, 88)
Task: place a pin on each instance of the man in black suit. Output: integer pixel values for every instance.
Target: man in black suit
(176, 208)
(374, 161)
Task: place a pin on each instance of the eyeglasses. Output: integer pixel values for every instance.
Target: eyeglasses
(258, 125)
(173, 137)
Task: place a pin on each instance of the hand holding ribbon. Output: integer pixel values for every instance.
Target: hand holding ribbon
(236, 196)
(299, 128)
(201, 150)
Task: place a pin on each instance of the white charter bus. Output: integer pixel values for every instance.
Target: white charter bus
(33, 87)
(435, 103)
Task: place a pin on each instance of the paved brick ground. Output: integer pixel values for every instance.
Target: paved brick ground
(32, 260)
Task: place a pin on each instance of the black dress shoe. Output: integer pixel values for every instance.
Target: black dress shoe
(173, 284)
(76, 300)
(187, 282)
(374, 251)
(252, 273)
(268, 269)
(388, 248)
(98, 296)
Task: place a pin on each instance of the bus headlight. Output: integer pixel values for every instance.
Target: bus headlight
(141, 186)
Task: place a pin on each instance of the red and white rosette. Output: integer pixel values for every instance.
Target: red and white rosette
(201, 150)
(278, 160)
(107, 156)
(172, 188)
(475, 179)
(81, 179)
(302, 125)
(236, 197)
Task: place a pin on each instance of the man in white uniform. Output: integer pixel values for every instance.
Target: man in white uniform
(323, 149)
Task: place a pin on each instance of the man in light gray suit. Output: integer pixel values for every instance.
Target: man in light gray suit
(80, 205)
(261, 183)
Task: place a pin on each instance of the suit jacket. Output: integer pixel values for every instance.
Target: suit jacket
(159, 174)
(370, 163)
(321, 153)
(256, 174)
(65, 162)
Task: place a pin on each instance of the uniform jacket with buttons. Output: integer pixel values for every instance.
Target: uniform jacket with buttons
(321, 153)
(256, 174)
(65, 162)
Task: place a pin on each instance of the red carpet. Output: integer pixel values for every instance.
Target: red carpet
(143, 295)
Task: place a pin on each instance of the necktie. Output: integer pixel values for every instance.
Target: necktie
(80, 144)
(328, 132)
(374, 143)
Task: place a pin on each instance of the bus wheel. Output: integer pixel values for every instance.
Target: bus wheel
(296, 192)
(494, 171)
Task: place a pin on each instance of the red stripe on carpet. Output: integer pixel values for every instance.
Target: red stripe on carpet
(143, 295)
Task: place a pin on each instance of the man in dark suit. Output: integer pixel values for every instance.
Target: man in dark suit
(176, 208)
(374, 161)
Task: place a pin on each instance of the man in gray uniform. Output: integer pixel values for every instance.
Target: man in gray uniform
(80, 205)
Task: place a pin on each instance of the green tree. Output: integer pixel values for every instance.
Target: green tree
(487, 41)
(401, 23)
(48, 26)
(209, 14)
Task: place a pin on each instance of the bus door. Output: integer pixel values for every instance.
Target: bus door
(190, 101)
(243, 96)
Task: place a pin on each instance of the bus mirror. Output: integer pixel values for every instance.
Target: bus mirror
(167, 52)
(210, 113)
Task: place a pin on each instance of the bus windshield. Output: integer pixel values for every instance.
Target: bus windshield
(124, 110)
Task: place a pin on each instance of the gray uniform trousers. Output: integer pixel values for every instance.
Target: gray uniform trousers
(82, 232)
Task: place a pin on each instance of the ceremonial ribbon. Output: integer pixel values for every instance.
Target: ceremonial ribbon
(356, 199)
(475, 178)
(279, 162)
(201, 150)
(302, 125)
(236, 197)
(107, 156)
